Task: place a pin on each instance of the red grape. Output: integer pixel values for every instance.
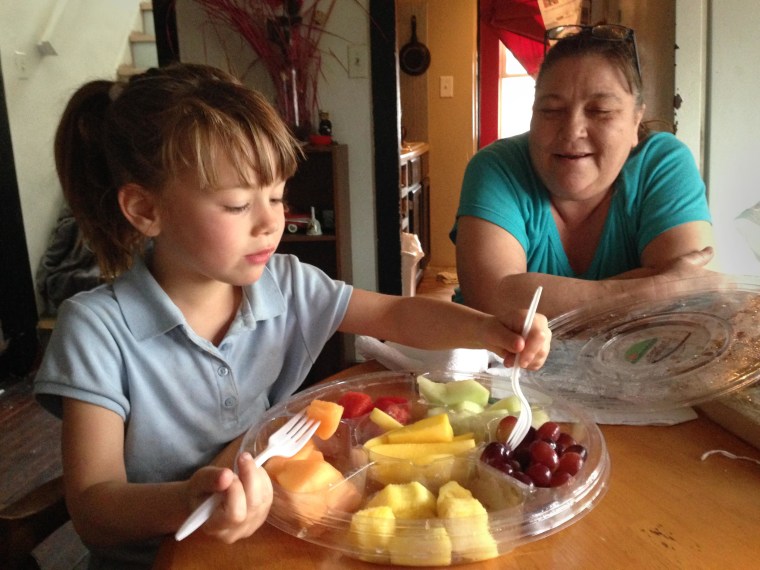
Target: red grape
(560, 478)
(547, 457)
(495, 454)
(549, 431)
(570, 463)
(539, 474)
(504, 429)
(543, 453)
(579, 449)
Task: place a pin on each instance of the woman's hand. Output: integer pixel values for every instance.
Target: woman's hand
(246, 502)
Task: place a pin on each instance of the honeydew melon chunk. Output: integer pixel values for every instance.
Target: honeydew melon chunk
(469, 390)
(383, 420)
(410, 547)
(427, 430)
(406, 500)
(451, 393)
(418, 452)
(433, 392)
(540, 417)
(467, 407)
(371, 530)
(511, 404)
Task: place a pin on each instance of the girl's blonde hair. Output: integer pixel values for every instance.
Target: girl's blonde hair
(160, 124)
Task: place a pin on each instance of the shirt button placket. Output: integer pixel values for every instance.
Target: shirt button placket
(229, 398)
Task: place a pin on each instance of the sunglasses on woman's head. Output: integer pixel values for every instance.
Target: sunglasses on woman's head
(604, 32)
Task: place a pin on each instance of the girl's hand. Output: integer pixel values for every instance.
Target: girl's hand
(246, 502)
(503, 336)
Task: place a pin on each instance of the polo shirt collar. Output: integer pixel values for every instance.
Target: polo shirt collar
(148, 310)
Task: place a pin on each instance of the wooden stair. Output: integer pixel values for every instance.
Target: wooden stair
(142, 44)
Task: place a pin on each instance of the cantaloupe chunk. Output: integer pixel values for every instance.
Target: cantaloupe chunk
(328, 414)
(275, 464)
(307, 475)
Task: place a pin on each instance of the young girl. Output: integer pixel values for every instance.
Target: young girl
(177, 182)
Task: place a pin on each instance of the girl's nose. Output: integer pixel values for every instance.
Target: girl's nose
(267, 218)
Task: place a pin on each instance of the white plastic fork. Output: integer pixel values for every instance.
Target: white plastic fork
(525, 418)
(285, 442)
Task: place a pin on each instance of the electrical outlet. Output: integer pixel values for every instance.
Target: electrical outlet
(447, 86)
(358, 61)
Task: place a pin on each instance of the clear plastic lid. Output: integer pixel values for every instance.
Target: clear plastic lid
(695, 341)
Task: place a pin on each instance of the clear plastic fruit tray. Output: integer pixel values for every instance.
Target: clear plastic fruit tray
(516, 513)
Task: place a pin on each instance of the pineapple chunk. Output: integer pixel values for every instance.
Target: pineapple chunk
(466, 522)
(406, 500)
(411, 547)
(371, 530)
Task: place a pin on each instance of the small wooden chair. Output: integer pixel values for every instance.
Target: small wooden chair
(28, 521)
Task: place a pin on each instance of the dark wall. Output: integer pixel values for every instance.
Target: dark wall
(18, 311)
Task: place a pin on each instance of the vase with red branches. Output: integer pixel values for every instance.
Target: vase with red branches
(285, 36)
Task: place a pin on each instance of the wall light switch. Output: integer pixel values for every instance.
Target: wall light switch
(358, 61)
(447, 86)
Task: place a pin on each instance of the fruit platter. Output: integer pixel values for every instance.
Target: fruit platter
(412, 469)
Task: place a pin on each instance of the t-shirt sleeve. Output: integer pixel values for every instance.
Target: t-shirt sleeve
(494, 189)
(82, 362)
(672, 189)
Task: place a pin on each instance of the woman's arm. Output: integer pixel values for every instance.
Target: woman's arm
(108, 510)
(492, 269)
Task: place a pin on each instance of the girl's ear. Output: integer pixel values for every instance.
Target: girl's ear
(140, 207)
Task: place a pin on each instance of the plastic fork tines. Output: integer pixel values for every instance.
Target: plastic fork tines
(525, 418)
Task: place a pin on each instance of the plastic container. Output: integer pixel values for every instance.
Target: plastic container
(517, 513)
(692, 342)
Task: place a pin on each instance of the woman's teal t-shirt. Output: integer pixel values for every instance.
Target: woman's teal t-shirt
(658, 188)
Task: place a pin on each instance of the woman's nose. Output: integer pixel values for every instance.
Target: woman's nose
(575, 125)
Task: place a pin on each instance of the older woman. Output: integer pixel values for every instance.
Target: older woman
(583, 204)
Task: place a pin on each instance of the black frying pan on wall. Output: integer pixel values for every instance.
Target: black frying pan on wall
(414, 57)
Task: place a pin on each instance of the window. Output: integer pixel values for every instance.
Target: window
(516, 90)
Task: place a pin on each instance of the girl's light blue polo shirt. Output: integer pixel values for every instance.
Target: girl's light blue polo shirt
(128, 348)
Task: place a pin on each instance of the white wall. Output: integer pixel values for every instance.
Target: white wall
(347, 99)
(91, 39)
(732, 141)
(717, 78)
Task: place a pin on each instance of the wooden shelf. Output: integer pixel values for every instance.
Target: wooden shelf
(321, 182)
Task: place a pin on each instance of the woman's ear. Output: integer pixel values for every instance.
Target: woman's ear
(638, 117)
(140, 207)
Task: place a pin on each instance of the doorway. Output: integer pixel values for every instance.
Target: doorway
(18, 309)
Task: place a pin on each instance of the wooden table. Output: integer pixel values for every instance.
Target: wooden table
(665, 508)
